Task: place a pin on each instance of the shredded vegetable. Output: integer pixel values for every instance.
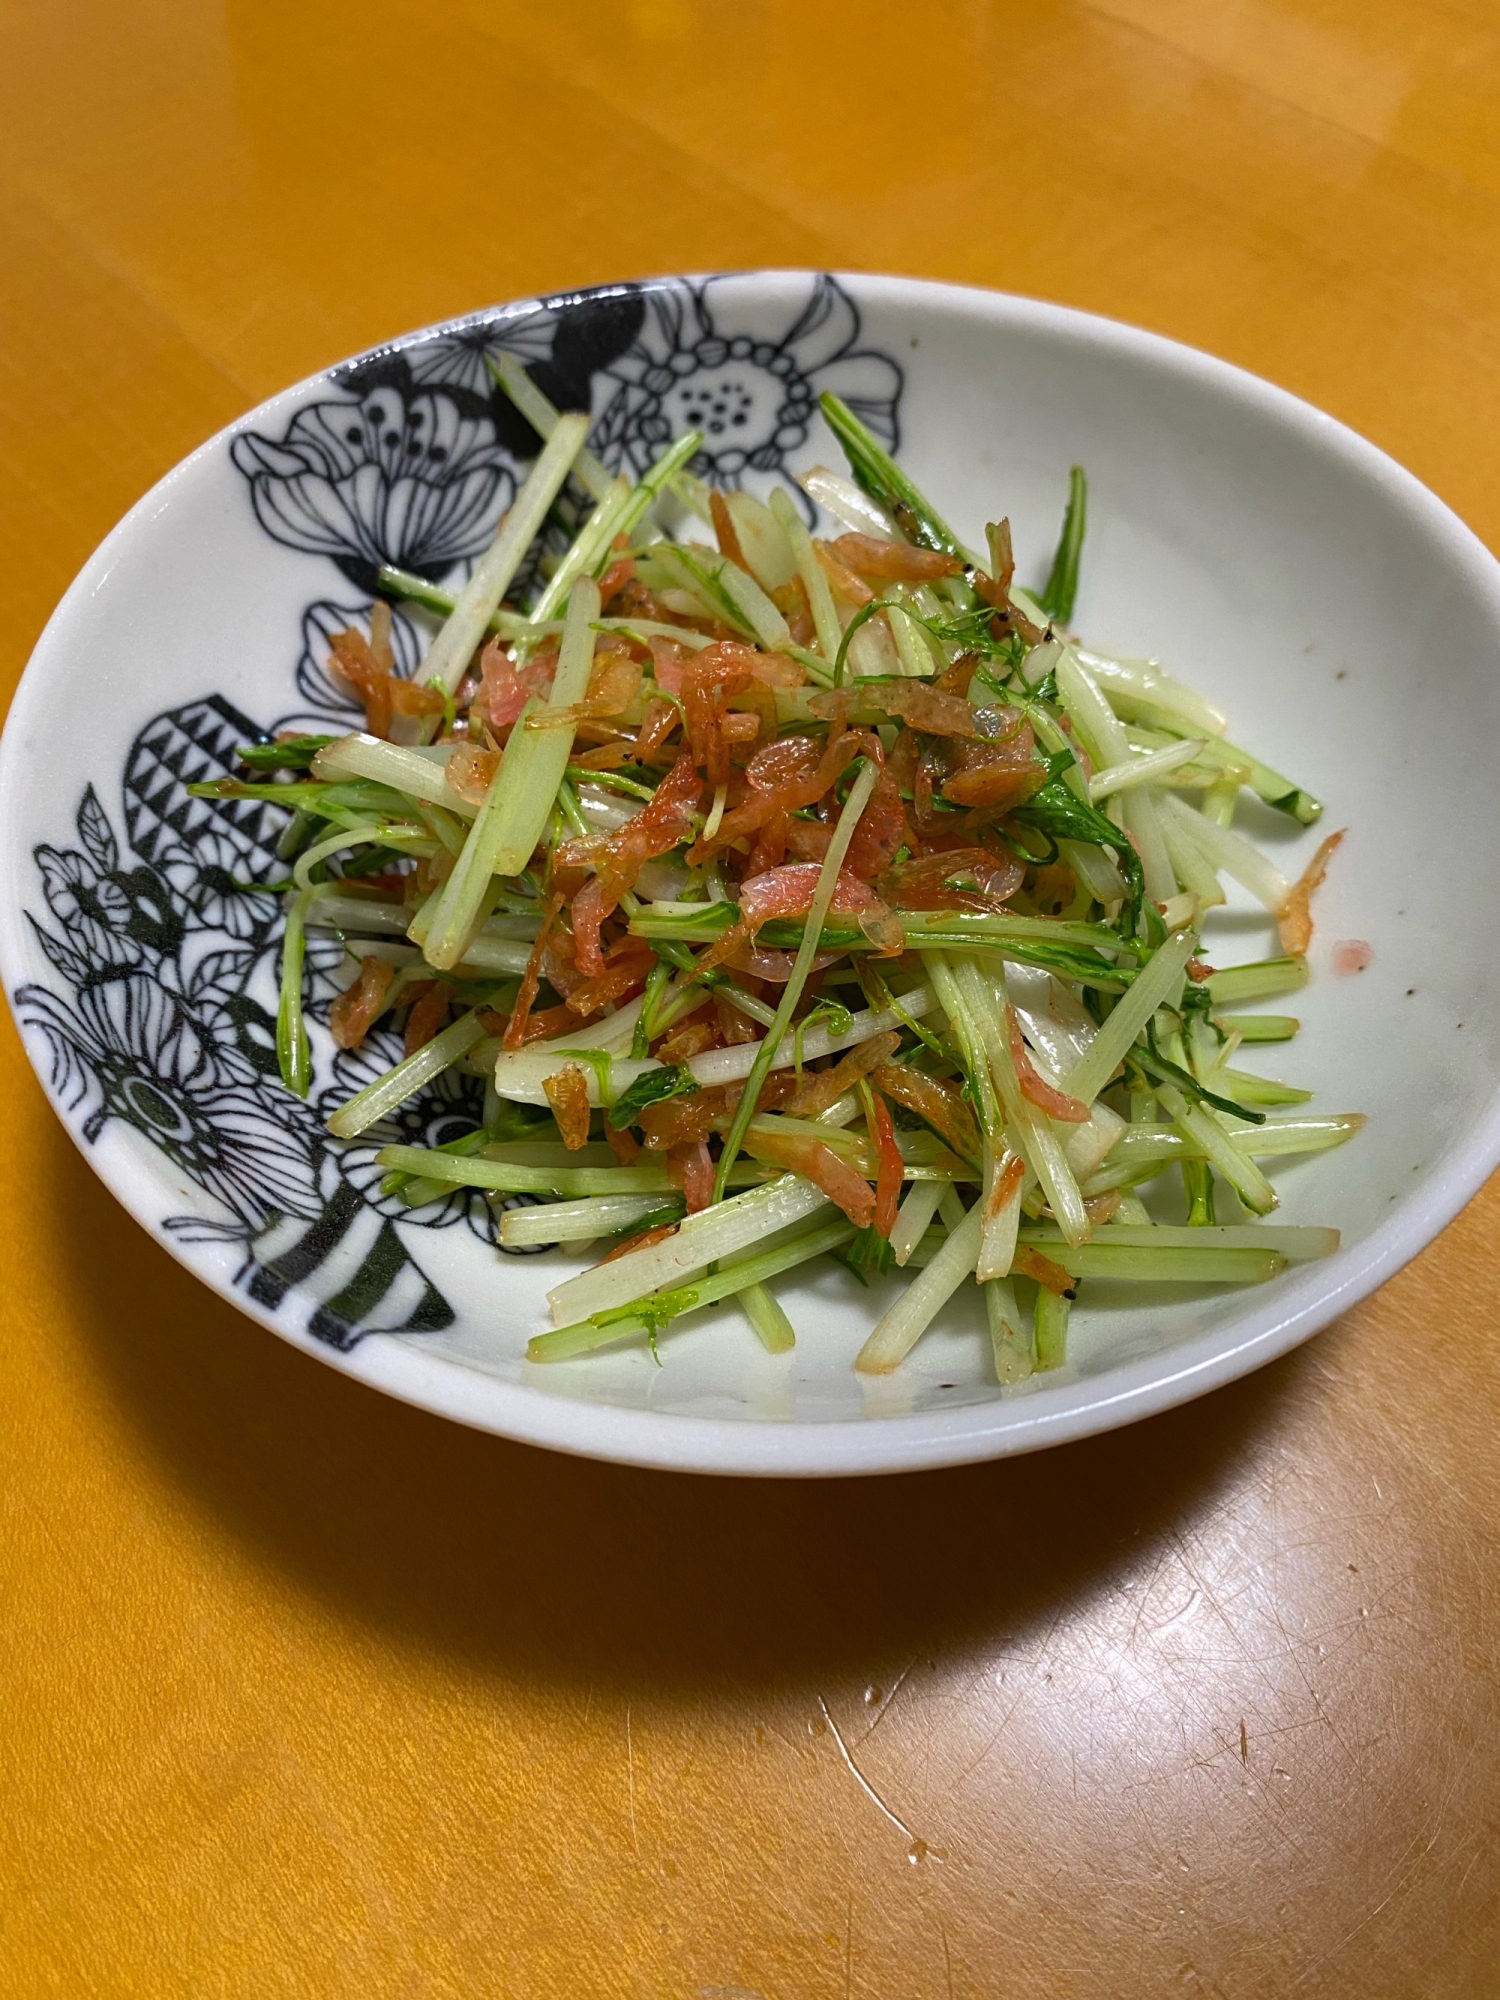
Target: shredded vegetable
(799, 896)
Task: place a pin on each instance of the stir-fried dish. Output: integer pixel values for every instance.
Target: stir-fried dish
(797, 895)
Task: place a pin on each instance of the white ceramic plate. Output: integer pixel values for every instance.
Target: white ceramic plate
(1348, 622)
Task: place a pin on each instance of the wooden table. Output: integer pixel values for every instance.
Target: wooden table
(306, 1693)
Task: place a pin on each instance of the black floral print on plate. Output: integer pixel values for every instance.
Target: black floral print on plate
(162, 1015)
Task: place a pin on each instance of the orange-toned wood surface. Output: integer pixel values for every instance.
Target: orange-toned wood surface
(306, 1693)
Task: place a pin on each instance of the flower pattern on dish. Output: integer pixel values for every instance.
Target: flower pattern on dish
(718, 358)
(417, 462)
(451, 1108)
(164, 1022)
(320, 621)
(459, 356)
(163, 1016)
(136, 1055)
(207, 877)
(413, 477)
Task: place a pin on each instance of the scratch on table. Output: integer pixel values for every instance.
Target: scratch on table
(896, 1686)
(1206, 1593)
(994, 1737)
(1475, 1840)
(947, 1961)
(1167, 1624)
(858, 1775)
(1293, 1656)
(1390, 1896)
(1261, 1803)
(1146, 1585)
(630, 1781)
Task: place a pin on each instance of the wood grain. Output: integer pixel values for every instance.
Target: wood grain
(304, 1692)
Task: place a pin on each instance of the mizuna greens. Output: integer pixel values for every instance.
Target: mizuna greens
(797, 896)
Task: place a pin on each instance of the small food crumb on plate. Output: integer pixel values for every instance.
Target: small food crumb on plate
(1352, 955)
